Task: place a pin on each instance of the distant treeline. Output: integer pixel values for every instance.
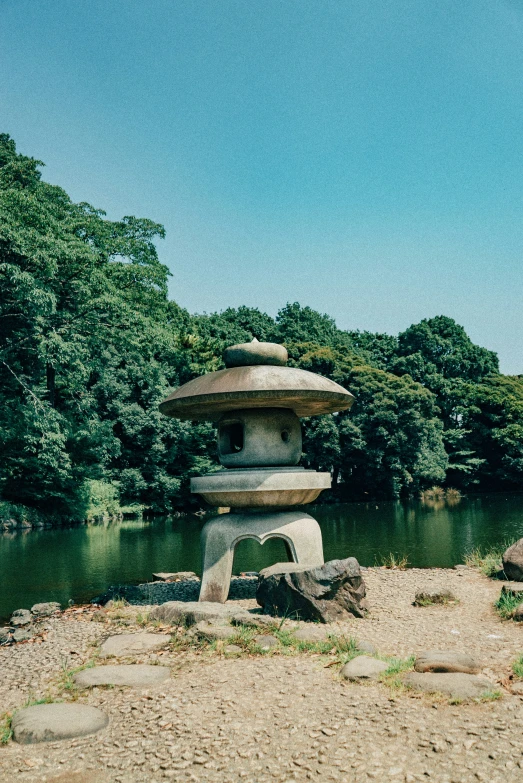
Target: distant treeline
(90, 344)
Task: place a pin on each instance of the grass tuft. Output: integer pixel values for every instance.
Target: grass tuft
(393, 561)
(506, 605)
(6, 731)
(517, 667)
(487, 560)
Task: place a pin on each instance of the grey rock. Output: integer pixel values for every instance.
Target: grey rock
(456, 686)
(45, 609)
(51, 722)
(327, 593)
(132, 675)
(312, 633)
(512, 589)
(367, 647)
(133, 644)
(427, 597)
(21, 617)
(252, 620)
(23, 634)
(266, 641)
(5, 635)
(192, 612)
(446, 661)
(177, 576)
(233, 649)
(363, 668)
(513, 561)
(460, 567)
(212, 631)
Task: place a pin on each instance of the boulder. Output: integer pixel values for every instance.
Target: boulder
(21, 617)
(23, 634)
(191, 612)
(52, 722)
(46, 609)
(446, 661)
(363, 668)
(327, 593)
(455, 685)
(136, 675)
(232, 649)
(513, 561)
(127, 644)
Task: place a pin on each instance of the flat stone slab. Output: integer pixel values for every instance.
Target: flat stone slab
(51, 722)
(363, 668)
(455, 685)
(513, 588)
(429, 597)
(212, 631)
(124, 674)
(446, 661)
(176, 576)
(266, 641)
(192, 612)
(312, 633)
(133, 644)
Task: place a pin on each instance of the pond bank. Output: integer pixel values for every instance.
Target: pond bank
(284, 714)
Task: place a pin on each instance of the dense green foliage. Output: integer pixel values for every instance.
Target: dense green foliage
(90, 344)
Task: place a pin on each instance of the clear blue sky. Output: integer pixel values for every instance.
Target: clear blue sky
(364, 158)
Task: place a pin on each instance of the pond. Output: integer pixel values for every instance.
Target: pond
(79, 563)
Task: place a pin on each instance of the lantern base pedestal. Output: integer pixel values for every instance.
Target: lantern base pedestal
(301, 533)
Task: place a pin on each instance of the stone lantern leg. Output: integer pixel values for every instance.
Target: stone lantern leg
(257, 402)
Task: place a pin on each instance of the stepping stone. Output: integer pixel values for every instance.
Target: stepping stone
(513, 589)
(428, 597)
(46, 609)
(446, 661)
(266, 641)
(192, 612)
(252, 620)
(133, 644)
(23, 634)
(132, 675)
(52, 722)
(212, 631)
(363, 668)
(311, 633)
(233, 649)
(457, 686)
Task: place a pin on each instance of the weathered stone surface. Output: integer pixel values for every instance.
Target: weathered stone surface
(232, 649)
(446, 661)
(454, 685)
(132, 675)
(427, 597)
(21, 617)
(363, 668)
(133, 644)
(192, 612)
(211, 631)
(252, 620)
(517, 688)
(327, 593)
(23, 634)
(266, 641)
(513, 589)
(177, 576)
(45, 609)
(5, 635)
(51, 722)
(312, 633)
(367, 647)
(513, 561)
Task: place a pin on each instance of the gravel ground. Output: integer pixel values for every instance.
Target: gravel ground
(277, 717)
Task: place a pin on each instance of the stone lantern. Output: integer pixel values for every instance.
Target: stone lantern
(256, 403)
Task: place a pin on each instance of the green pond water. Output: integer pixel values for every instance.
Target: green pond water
(81, 562)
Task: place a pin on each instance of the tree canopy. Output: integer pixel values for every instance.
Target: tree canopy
(90, 344)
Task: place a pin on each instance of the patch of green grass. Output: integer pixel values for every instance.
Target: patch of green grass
(487, 560)
(506, 604)
(391, 677)
(6, 731)
(490, 696)
(142, 619)
(517, 667)
(393, 560)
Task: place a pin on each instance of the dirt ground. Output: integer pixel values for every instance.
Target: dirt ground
(286, 714)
